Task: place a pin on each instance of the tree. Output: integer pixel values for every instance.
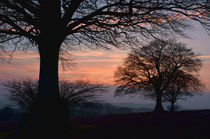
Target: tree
(48, 25)
(73, 93)
(152, 69)
(182, 86)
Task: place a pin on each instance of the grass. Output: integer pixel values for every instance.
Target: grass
(5, 134)
(173, 125)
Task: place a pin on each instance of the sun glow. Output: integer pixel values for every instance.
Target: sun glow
(95, 66)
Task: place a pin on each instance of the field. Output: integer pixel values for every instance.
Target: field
(168, 125)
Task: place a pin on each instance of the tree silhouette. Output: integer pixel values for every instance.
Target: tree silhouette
(47, 25)
(73, 93)
(152, 69)
(182, 86)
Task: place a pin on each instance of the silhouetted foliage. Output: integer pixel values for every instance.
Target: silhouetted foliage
(72, 93)
(182, 86)
(154, 68)
(22, 92)
(80, 92)
(96, 22)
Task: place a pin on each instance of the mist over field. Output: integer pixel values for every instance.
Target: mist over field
(135, 103)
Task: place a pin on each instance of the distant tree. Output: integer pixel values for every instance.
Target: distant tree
(72, 93)
(153, 68)
(22, 92)
(48, 24)
(182, 86)
(176, 107)
(78, 93)
(7, 113)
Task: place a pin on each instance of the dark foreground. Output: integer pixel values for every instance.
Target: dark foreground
(168, 125)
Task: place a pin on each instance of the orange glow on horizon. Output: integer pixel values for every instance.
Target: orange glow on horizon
(95, 66)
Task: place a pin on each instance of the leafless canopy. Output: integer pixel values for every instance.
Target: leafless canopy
(22, 92)
(182, 86)
(101, 22)
(80, 92)
(157, 67)
(72, 93)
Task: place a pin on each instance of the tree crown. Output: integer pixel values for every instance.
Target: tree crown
(73, 93)
(156, 66)
(97, 22)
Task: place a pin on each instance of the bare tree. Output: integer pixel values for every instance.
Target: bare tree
(182, 86)
(151, 69)
(24, 93)
(48, 25)
(80, 92)
(72, 93)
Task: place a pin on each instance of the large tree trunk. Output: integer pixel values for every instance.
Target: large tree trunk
(49, 113)
(159, 106)
(172, 106)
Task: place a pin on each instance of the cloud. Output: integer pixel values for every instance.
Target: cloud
(98, 56)
(96, 66)
(205, 57)
(92, 65)
(22, 65)
(205, 74)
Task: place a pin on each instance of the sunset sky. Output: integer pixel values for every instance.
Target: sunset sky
(99, 65)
